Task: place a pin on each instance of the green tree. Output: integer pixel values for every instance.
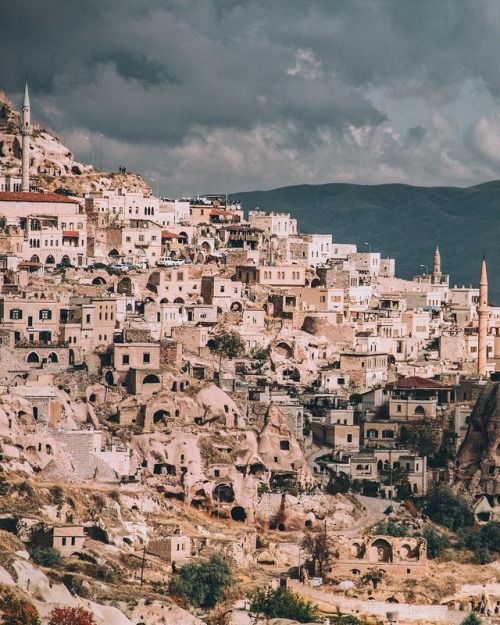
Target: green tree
(471, 619)
(419, 438)
(338, 484)
(374, 576)
(436, 543)
(401, 482)
(282, 603)
(16, 611)
(202, 583)
(482, 541)
(448, 509)
(228, 344)
(318, 546)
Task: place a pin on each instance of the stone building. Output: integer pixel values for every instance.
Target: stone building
(174, 549)
(67, 539)
(398, 557)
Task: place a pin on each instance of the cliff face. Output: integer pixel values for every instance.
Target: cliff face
(480, 451)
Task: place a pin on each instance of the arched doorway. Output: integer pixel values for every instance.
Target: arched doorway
(160, 416)
(151, 379)
(224, 493)
(33, 358)
(50, 260)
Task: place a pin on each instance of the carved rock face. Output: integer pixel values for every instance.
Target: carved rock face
(481, 446)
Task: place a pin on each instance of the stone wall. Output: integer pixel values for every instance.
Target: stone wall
(269, 505)
(406, 611)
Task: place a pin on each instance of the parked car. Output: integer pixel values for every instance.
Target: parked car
(120, 267)
(96, 266)
(166, 261)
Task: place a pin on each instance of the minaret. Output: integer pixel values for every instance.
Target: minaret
(25, 133)
(482, 311)
(436, 270)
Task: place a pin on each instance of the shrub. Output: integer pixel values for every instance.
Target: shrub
(282, 603)
(15, 611)
(482, 541)
(46, 557)
(71, 616)
(389, 528)
(202, 583)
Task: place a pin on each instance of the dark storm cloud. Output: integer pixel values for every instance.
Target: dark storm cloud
(152, 73)
(183, 64)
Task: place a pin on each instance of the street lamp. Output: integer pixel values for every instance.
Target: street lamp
(369, 245)
(91, 150)
(426, 269)
(100, 160)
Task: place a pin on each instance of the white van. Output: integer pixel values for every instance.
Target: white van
(166, 261)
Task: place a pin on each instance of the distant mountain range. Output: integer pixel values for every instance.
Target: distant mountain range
(402, 222)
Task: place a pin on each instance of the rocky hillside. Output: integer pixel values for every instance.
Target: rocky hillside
(52, 165)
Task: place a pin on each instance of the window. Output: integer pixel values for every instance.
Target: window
(125, 359)
(146, 358)
(128, 239)
(222, 288)
(16, 313)
(87, 319)
(349, 438)
(45, 313)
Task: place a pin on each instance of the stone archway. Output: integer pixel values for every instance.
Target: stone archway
(224, 493)
(33, 358)
(381, 551)
(151, 379)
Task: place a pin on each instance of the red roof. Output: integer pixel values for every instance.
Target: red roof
(221, 211)
(414, 382)
(13, 196)
(170, 235)
(71, 233)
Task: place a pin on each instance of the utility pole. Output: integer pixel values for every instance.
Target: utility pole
(142, 564)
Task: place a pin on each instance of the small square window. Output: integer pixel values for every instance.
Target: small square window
(146, 358)
(125, 359)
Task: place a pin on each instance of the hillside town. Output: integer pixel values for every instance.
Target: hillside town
(184, 377)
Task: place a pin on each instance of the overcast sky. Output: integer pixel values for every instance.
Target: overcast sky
(228, 95)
